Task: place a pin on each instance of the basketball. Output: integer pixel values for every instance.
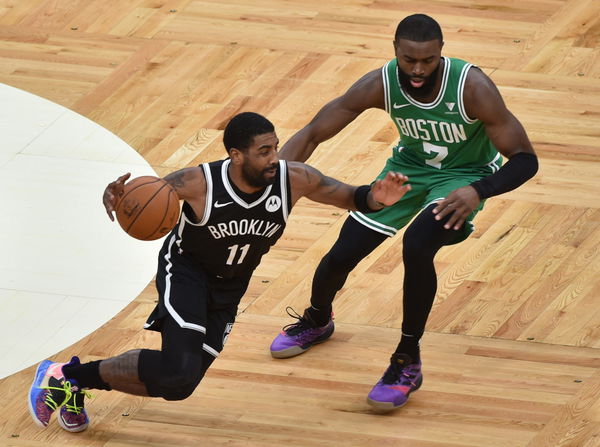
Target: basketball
(148, 208)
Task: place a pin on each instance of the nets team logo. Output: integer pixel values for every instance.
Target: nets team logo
(272, 204)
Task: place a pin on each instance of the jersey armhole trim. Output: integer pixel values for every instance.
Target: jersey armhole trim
(209, 194)
(461, 88)
(386, 87)
(284, 190)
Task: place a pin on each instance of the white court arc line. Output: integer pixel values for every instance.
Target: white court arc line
(66, 269)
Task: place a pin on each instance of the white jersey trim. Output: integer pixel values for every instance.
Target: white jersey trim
(373, 224)
(209, 194)
(232, 193)
(493, 165)
(386, 87)
(459, 95)
(167, 297)
(283, 187)
(210, 350)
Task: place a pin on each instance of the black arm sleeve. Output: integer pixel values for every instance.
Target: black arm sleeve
(517, 170)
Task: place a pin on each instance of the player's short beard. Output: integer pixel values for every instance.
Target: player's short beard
(258, 179)
(427, 87)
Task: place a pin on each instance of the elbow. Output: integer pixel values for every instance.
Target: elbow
(529, 163)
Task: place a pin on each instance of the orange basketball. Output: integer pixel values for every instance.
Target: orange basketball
(148, 208)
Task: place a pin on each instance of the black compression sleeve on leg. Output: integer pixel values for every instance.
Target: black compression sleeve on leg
(422, 240)
(353, 244)
(519, 168)
(175, 371)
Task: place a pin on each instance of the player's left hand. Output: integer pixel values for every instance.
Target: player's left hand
(112, 192)
(460, 203)
(390, 189)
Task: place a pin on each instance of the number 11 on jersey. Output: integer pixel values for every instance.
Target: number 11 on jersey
(233, 251)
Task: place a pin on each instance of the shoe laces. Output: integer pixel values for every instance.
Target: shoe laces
(49, 398)
(303, 323)
(400, 371)
(75, 404)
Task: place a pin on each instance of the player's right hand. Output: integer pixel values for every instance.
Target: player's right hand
(112, 192)
(390, 189)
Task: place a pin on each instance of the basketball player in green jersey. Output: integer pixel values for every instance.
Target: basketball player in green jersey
(454, 127)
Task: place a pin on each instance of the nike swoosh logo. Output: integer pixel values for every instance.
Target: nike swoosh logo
(220, 205)
(399, 106)
(67, 424)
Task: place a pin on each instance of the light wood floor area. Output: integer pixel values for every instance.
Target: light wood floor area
(511, 356)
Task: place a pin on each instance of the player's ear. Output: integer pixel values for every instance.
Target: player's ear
(236, 156)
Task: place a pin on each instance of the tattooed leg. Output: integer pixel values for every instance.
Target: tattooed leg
(121, 373)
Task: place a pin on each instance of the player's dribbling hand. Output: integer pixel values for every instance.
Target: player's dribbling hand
(390, 189)
(460, 202)
(112, 193)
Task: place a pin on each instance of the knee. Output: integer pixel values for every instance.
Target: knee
(425, 236)
(418, 248)
(180, 392)
(183, 378)
(413, 245)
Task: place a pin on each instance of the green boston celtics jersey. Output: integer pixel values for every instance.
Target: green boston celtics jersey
(439, 134)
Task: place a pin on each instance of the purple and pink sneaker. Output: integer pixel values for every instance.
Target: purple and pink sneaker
(50, 391)
(400, 379)
(72, 415)
(298, 337)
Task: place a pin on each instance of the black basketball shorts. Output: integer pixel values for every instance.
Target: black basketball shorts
(195, 301)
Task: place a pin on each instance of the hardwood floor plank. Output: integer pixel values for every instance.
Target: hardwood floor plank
(511, 349)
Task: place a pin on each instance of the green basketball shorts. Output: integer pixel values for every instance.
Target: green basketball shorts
(429, 185)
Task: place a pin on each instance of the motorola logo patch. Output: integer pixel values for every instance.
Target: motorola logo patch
(272, 204)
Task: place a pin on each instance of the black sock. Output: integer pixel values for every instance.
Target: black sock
(86, 375)
(320, 316)
(409, 344)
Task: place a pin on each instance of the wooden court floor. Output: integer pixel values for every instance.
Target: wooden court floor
(511, 354)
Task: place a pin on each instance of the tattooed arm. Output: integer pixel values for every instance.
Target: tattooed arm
(308, 181)
(189, 183)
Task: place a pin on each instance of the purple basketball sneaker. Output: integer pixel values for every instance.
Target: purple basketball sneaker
(48, 392)
(72, 416)
(298, 337)
(400, 379)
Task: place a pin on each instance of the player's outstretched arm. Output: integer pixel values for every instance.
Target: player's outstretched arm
(310, 182)
(364, 94)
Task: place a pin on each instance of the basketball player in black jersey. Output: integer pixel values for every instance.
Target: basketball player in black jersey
(234, 210)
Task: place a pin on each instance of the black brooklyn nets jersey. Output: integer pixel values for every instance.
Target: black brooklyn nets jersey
(233, 235)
